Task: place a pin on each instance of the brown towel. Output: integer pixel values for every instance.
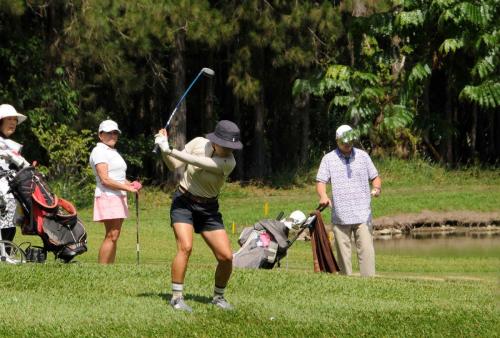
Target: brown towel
(324, 260)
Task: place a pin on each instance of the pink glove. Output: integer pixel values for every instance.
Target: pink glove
(136, 185)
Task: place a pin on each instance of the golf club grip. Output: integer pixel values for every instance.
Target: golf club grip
(280, 216)
(321, 208)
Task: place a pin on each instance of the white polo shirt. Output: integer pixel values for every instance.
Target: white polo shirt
(350, 179)
(117, 168)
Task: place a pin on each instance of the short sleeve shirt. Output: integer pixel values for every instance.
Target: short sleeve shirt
(202, 182)
(350, 179)
(117, 168)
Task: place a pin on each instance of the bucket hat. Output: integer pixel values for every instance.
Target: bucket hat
(226, 134)
(108, 125)
(6, 110)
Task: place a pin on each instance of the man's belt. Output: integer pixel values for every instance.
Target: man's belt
(194, 198)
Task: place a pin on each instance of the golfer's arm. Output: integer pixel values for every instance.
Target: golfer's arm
(199, 161)
(171, 162)
(102, 172)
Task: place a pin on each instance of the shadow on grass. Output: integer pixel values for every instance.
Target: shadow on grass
(166, 297)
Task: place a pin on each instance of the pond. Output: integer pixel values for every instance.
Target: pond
(445, 244)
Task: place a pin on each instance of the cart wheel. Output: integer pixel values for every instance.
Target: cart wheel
(11, 253)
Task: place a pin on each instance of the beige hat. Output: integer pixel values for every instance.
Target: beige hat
(109, 125)
(6, 110)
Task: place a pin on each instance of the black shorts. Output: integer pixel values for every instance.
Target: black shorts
(203, 216)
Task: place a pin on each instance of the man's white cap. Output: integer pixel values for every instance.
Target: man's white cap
(295, 218)
(109, 125)
(342, 130)
(6, 110)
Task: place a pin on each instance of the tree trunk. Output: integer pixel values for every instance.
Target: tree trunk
(258, 166)
(495, 135)
(359, 8)
(239, 155)
(449, 124)
(178, 123)
(301, 103)
(491, 139)
(209, 118)
(350, 48)
(473, 134)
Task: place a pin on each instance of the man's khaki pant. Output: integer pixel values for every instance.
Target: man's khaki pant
(364, 245)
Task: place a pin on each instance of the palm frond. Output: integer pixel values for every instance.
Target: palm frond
(484, 67)
(410, 19)
(451, 45)
(486, 95)
(419, 72)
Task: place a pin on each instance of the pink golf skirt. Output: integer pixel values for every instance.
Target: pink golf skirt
(110, 207)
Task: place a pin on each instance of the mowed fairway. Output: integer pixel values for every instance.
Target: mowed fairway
(413, 295)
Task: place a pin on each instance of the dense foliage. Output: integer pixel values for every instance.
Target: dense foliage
(415, 77)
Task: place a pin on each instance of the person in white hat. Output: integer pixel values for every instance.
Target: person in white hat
(10, 158)
(110, 197)
(350, 171)
(195, 207)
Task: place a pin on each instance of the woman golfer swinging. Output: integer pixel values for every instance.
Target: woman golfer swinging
(208, 162)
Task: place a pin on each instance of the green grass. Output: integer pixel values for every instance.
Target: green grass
(436, 292)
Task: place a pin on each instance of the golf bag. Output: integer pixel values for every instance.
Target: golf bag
(266, 243)
(48, 216)
(262, 245)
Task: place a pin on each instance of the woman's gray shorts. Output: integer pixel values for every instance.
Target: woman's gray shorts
(203, 216)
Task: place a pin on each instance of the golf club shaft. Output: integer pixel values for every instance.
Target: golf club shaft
(207, 71)
(137, 224)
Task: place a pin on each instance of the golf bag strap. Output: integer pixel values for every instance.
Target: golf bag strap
(67, 206)
(38, 198)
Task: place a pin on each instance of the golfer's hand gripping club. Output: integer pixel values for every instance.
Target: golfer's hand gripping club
(161, 141)
(321, 207)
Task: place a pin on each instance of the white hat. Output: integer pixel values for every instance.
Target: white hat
(109, 125)
(343, 133)
(295, 218)
(6, 110)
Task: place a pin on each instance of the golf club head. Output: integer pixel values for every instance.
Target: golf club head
(208, 72)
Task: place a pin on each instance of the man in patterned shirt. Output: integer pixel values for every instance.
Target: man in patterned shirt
(350, 171)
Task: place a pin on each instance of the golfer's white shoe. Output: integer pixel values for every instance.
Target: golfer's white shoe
(222, 303)
(180, 305)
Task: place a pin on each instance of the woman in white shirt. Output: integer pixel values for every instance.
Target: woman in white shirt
(110, 202)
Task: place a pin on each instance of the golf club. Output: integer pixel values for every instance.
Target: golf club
(208, 72)
(137, 224)
(306, 224)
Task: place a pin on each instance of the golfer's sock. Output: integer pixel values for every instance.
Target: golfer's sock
(218, 291)
(177, 290)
